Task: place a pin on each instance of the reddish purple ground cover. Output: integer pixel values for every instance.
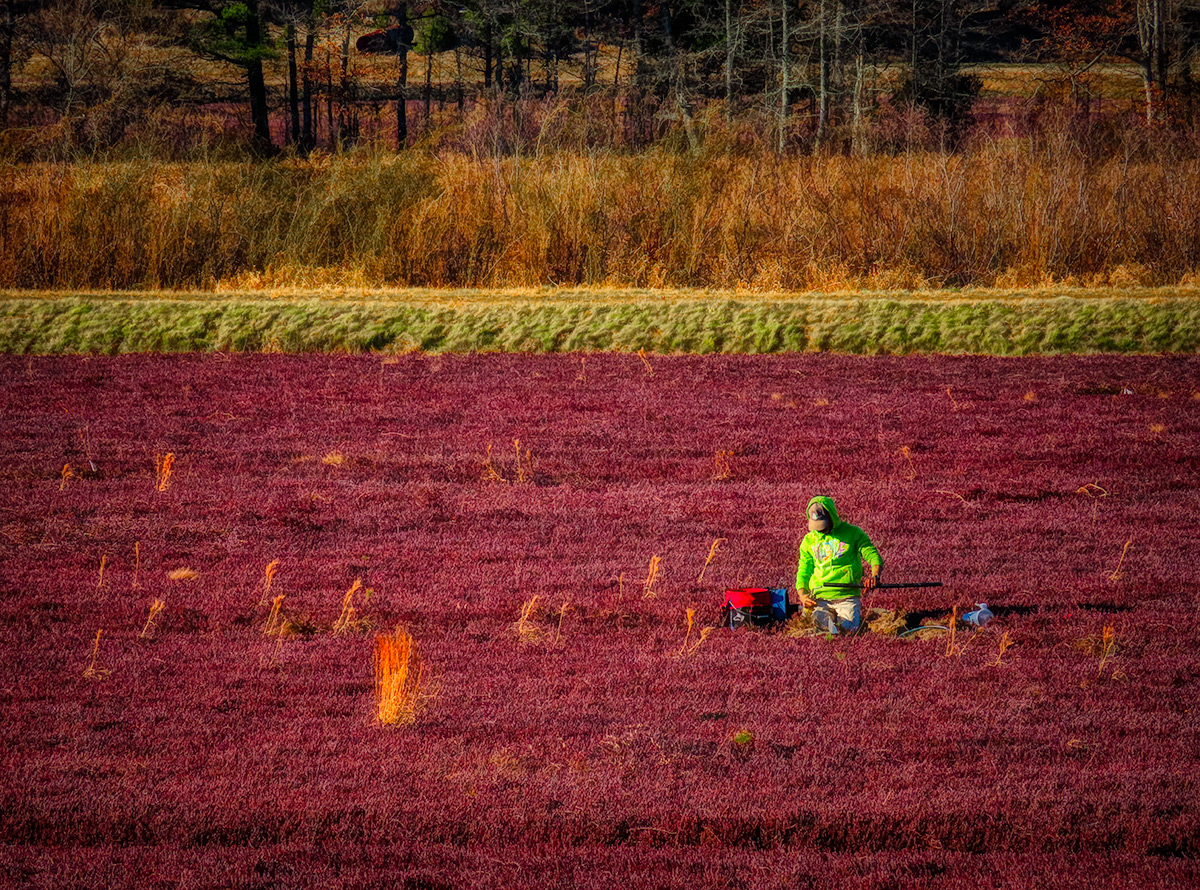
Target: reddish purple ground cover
(1061, 491)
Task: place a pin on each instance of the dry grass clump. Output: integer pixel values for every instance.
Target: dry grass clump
(723, 465)
(490, 473)
(526, 627)
(275, 618)
(688, 647)
(156, 608)
(1102, 645)
(347, 620)
(712, 552)
(92, 672)
(802, 624)
(521, 472)
(399, 679)
(648, 590)
(1115, 575)
(268, 580)
(885, 622)
(162, 470)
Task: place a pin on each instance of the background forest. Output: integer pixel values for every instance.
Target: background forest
(178, 78)
(776, 146)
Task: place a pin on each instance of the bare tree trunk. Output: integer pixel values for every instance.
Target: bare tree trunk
(308, 139)
(458, 79)
(335, 140)
(590, 51)
(729, 61)
(616, 93)
(402, 80)
(785, 65)
(428, 85)
(858, 134)
(1152, 21)
(635, 94)
(550, 56)
(499, 73)
(487, 56)
(345, 110)
(293, 84)
(255, 81)
(823, 64)
(7, 26)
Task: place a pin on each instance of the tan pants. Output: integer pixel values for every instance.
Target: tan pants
(838, 616)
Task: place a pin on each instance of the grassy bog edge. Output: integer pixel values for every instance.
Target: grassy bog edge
(1147, 322)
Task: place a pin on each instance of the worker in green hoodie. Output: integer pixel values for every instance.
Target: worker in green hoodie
(834, 551)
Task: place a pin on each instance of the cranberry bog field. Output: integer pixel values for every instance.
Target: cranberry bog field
(198, 554)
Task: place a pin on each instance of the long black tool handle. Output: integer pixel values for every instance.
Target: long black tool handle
(887, 586)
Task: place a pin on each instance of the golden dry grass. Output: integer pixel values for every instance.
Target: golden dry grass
(526, 627)
(162, 471)
(648, 587)
(346, 620)
(399, 679)
(1006, 214)
(156, 608)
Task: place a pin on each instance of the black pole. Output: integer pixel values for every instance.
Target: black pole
(905, 585)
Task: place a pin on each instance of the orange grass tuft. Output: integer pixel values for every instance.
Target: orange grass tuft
(398, 679)
(1006, 643)
(527, 631)
(646, 362)
(1095, 492)
(648, 591)
(524, 469)
(712, 552)
(345, 621)
(156, 608)
(162, 471)
(274, 619)
(688, 647)
(562, 613)
(724, 466)
(92, 672)
(490, 473)
(953, 647)
(272, 569)
(1115, 575)
(1108, 646)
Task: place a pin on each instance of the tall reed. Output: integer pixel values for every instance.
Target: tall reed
(1004, 213)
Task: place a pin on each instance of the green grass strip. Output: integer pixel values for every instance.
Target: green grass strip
(693, 324)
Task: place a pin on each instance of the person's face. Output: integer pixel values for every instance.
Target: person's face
(818, 519)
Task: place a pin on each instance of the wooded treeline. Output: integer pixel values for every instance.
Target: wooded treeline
(88, 76)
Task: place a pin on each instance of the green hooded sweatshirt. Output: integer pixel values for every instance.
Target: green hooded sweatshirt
(834, 556)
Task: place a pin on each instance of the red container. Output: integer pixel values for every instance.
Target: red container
(748, 597)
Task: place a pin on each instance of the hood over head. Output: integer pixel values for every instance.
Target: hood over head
(829, 507)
